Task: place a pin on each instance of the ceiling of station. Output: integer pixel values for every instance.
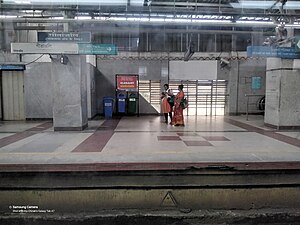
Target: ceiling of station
(221, 13)
(234, 8)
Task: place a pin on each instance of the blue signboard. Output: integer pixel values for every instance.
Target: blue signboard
(256, 83)
(12, 67)
(80, 37)
(97, 49)
(266, 51)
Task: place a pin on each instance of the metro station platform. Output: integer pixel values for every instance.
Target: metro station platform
(145, 142)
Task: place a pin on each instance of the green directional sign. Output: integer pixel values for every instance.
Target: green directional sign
(97, 49)
(297, 44)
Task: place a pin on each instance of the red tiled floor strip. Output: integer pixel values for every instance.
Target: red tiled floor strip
(42, 127)
(14, 138)
(25, 134)
(168, 138)
(271, 134)
(283, 138)
(97, 141)
(110, 124)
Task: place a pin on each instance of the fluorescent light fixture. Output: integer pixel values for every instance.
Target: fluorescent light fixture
(297, 25)
(265, 5)
(22, 1)
(211, 21)
(31, 11)
(134, 19)
(145, 19)
(182, 20)
(7, 17)
(77, 2)
(255, 22)
(136, 2)
(83, 17)
(117, 18)
(157, 20)
(57, 18)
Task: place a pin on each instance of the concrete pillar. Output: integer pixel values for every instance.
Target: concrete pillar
(233, 88)
(69, 94)
(282, 109)
(91, 86)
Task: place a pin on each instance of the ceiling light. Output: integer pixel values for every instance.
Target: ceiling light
(83, 18)
(255, 22)
(77, 2)
(7, 17)
(57, 18)
(22, 2)
(265, 5)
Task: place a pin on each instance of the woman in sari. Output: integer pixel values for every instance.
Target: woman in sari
(178, 110)
(165, 106)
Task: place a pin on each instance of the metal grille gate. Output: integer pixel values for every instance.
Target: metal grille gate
(205, 97)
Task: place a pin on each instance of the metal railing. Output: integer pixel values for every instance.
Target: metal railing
(248, 96)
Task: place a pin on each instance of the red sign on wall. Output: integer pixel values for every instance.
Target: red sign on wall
(127, 82)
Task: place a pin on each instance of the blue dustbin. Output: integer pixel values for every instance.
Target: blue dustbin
(108, 105)
(121, 102)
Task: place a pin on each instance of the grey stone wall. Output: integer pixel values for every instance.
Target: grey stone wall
(239, 79)
(38, 92)
(39, 95)
(238, 73)
(105, 79)
(101, 82)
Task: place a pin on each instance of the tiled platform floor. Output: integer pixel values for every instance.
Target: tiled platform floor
(147, 139)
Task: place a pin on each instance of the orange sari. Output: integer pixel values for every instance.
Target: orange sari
(178, 110)
(165, 106)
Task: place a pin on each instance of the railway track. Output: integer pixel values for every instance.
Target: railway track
(215, 194)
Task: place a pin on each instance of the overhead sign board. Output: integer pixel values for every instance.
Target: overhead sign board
(64, 48)
(12, 67)
(44, 48)
(81, 37)
(266, 51)
(97, 49)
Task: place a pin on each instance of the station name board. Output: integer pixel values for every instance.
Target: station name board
(266, 51)
(80, 37)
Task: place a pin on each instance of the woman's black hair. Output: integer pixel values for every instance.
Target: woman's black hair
(166, 85)
(180, 86)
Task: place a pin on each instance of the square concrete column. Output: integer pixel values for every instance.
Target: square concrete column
(69, 94)
(233, 89)
(282, 109)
